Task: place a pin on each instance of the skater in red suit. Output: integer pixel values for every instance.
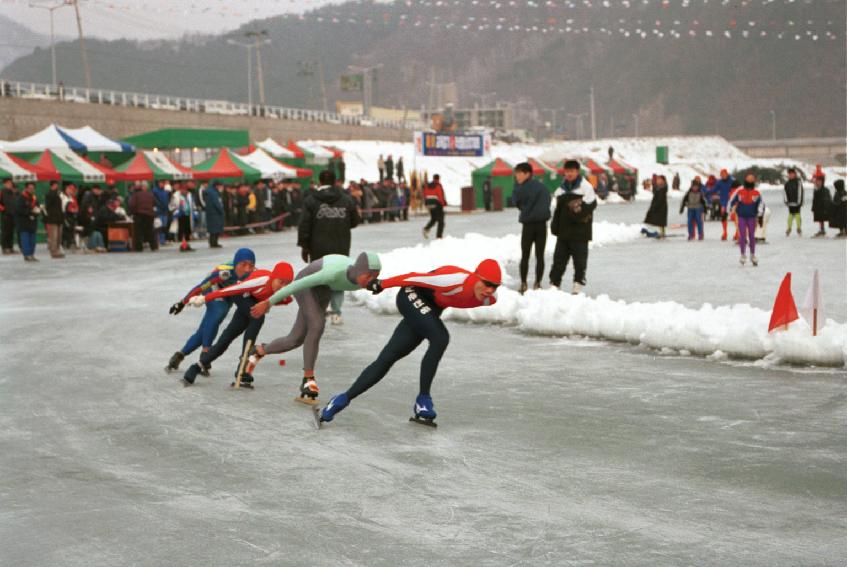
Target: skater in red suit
(422, 299)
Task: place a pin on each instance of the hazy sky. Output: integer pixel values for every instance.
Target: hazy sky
(147, 19)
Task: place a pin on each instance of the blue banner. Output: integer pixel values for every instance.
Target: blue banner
(452, 145)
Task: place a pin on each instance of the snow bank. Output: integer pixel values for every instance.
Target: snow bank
(738, 331)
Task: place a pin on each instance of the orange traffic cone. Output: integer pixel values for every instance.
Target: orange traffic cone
(784, 308)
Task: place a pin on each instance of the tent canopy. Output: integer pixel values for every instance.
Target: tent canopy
(274, 149)
(271, 168)
(149, 166)
(69, 166)
(589, 164)
(51, 138)
(226, 164)
(496, 168)
(620, 167)
(11, 169)
(94, 141)
(171, 138)
(319, 153)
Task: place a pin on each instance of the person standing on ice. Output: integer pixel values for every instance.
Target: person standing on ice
(435, 201)
(657, 214)
(821, 203)
(222, 276)
(532, 198)
(747, 204)
(421, 301)
(572, 224)
(312, 289)
(380, 164)
(794, 194)
(695, 200)
(258, 286)
(838, 212)
(723, 187)
(329, 216)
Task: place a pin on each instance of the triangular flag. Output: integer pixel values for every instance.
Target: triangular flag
(812, 305)
(784, 308)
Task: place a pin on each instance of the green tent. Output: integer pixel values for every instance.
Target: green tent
(501, 175)
(172, 138)
(227, 166)
(545, 173)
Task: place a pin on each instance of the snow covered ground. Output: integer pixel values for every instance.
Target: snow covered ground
(551, 450)
(689, 156)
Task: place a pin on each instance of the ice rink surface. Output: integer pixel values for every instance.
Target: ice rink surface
(561, 451)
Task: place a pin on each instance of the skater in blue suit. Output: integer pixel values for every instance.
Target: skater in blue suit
(243, 263)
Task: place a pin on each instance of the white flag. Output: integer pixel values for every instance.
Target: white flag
(811, 310)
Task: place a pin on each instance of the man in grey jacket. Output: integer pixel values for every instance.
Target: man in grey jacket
(532, 198)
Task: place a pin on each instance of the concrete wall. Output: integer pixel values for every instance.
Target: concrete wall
(22, 117)
(826, 151)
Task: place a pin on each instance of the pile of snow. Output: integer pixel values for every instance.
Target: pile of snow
(689, 156)
(738, 331)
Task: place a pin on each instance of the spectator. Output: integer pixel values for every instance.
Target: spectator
(98, 239)
(838, 212)
(342, 170)
(407, 198)
(260, 197)
(657, 214)
(329, 216)
(8, 200)
(794, 201)
(821, 204)
(748, 206)
(401, 170)
(435, 201)
(676, 183)
(27, 212)
(762, 228)
(486, 193)
(389, 168)
(53, 220)
(183, 207)
(571, 224)
(70, 212)
(380, 164)
(214, 212)
(695, 200)
(162, 203)
(532, 199)
(142, 207)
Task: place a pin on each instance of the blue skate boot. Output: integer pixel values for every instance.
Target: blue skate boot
(335, 405)
(424, 411)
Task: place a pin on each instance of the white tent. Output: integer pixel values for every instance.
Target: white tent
(320, 153)
(273, 148)
(268, 166)
(8, 165)
(88, 171)
(94, 141)
(51, 138)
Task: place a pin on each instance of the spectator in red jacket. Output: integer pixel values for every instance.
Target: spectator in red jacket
(435, 201)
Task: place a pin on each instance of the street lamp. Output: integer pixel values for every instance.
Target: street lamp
(51, 8)
(248, 47)
(260, 38)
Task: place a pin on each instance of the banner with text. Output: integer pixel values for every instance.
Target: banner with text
(452, 145)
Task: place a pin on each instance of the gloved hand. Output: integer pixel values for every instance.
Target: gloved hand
(304, 253)
(197, 301)
(176, 308)
(374, 286)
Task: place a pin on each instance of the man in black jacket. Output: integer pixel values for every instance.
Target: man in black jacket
(572, 221)
(794, 201)
(54, 219)
(8, 198)
(532, 198)
(27, 212)
(329, 215)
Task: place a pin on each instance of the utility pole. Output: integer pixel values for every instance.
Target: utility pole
(323, 84)
(82, 45)
(593, 120)
(51, 9)
(248, 47)
(635, 117)
(260, 38)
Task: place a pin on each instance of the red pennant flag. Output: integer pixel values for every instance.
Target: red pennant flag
(784, 308)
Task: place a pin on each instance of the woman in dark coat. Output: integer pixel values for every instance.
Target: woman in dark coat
(657, 214)
(214, 213)
(821, 204)
(838, 212)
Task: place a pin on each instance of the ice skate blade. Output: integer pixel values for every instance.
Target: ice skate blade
(316, 415)
(307, 401)
(423, 421)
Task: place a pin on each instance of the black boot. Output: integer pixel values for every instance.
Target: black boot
(173, 364)
(191, 374)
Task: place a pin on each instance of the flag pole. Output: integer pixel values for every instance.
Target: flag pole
(815, 322)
